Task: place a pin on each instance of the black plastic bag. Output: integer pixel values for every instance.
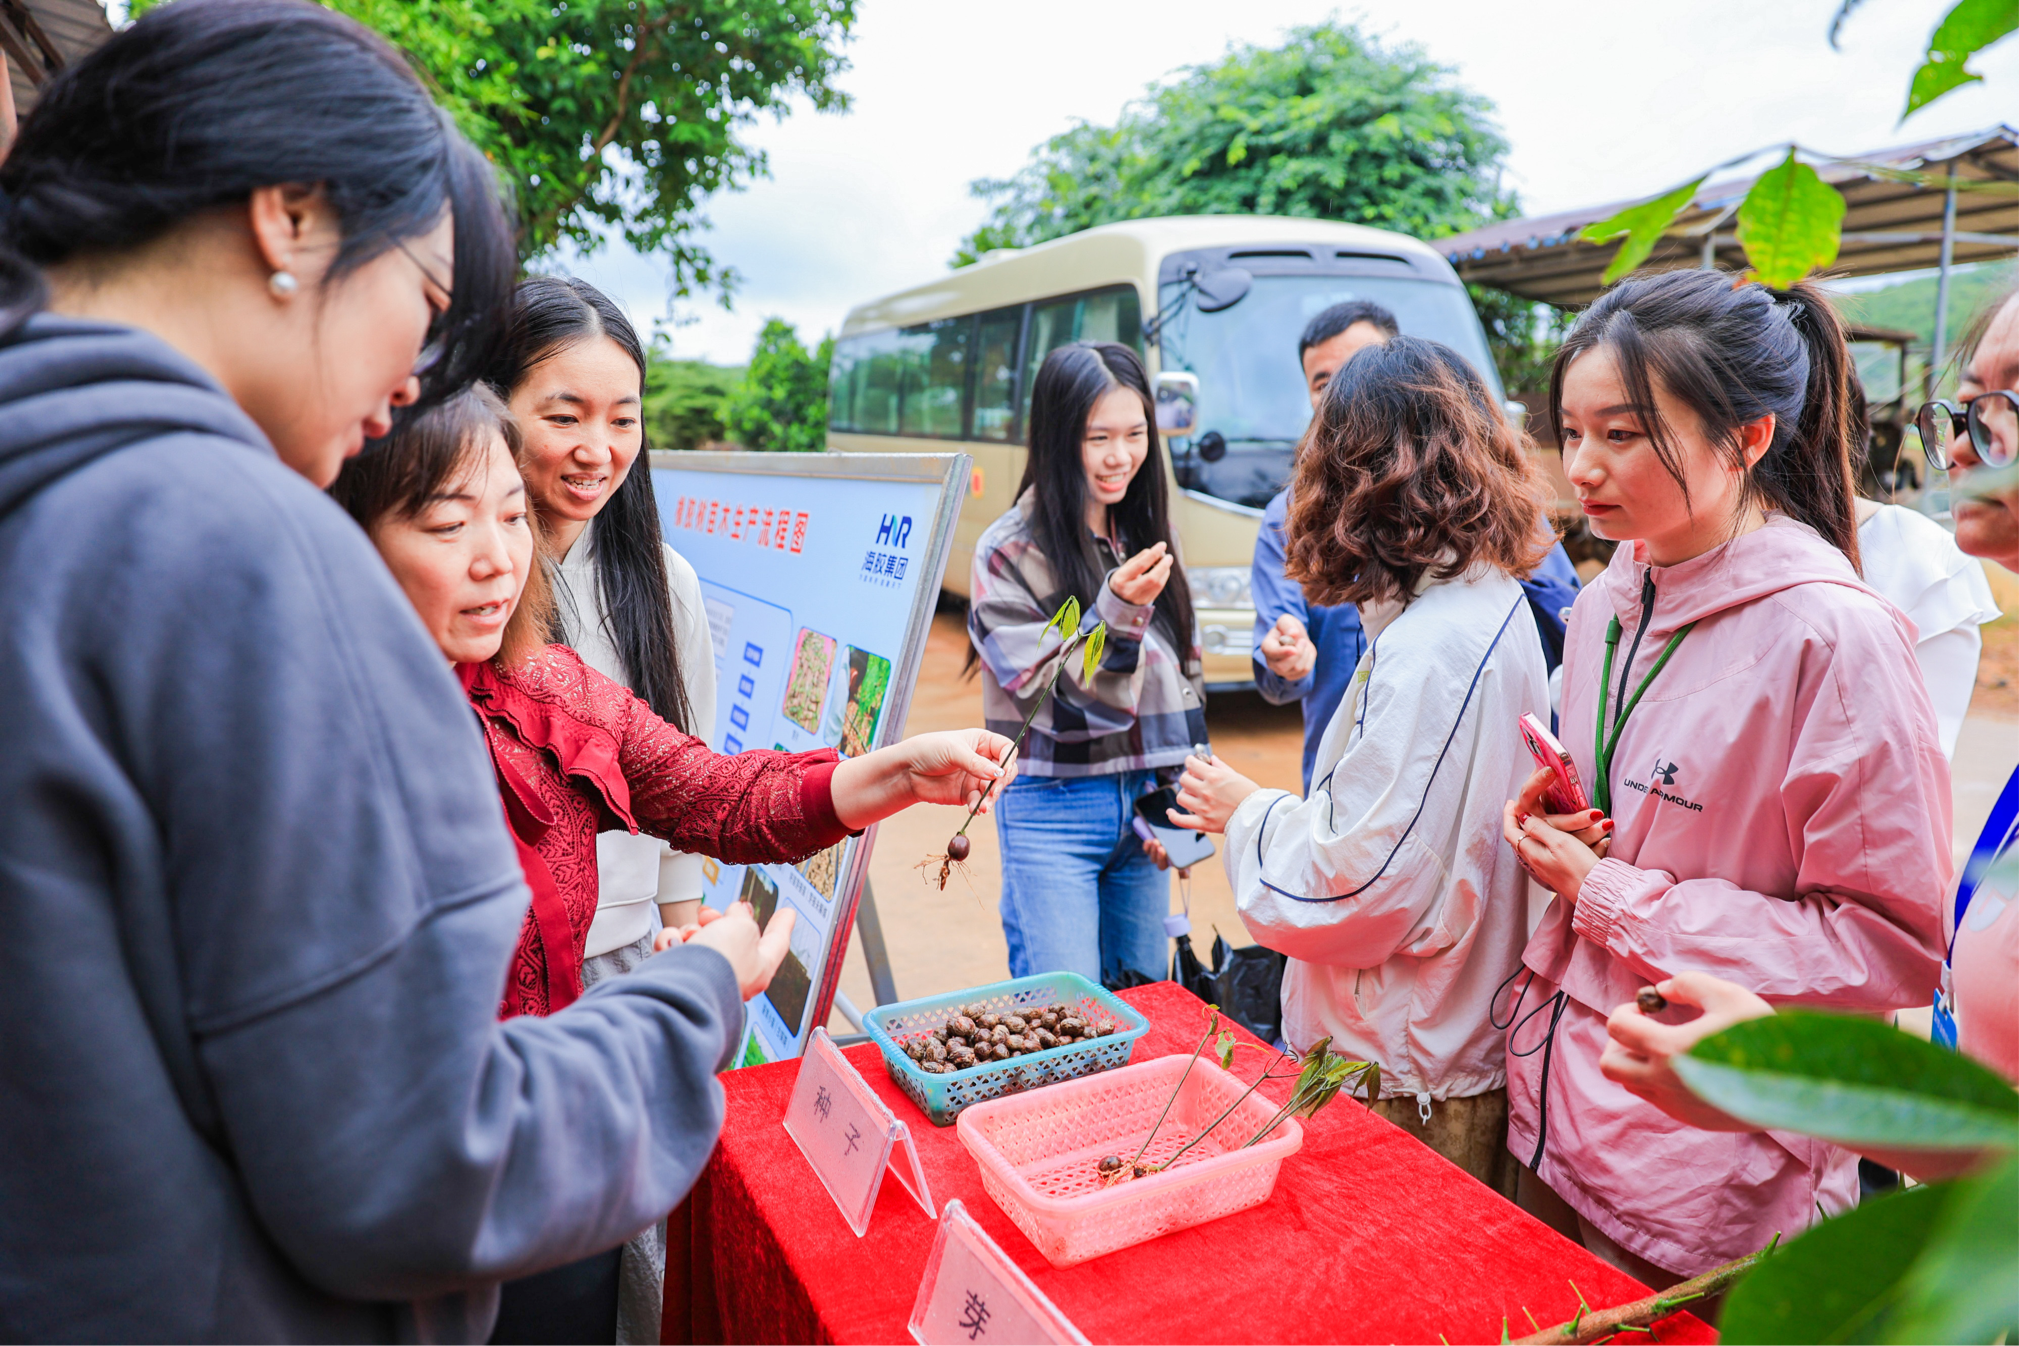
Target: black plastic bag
(1186, 971)
(1248, 986)
(1123, 978)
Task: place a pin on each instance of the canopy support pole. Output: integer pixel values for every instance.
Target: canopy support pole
(1941, 342)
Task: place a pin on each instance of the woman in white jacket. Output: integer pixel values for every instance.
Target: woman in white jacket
(1400, 911)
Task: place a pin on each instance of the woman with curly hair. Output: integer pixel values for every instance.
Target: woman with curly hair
(1388, 886)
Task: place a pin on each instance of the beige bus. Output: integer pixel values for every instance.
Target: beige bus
(1215, 303)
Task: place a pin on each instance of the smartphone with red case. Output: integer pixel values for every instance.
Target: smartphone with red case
(1567, 794)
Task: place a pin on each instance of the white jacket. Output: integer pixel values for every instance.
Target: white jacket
(1401, 907)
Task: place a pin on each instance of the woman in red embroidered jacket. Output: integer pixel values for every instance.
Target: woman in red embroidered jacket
(576, 753)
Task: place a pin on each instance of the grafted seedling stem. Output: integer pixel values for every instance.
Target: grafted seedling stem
(1091, 642)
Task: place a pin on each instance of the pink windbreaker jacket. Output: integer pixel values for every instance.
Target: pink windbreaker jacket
(1782, 820)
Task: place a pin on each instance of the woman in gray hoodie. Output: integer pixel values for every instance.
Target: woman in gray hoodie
(256, 891)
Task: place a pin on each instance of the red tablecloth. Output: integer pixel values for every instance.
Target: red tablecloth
(1368, 1237)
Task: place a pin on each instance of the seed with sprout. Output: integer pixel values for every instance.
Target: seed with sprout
(1111, 1163)
(1650, 1001)
(958, 849)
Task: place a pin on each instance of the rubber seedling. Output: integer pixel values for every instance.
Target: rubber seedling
(1321, 1076)
(1091, 643)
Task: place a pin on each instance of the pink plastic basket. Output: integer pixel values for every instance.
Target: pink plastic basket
(1040, 1153)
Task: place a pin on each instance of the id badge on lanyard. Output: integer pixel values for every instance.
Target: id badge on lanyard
(1992, 842)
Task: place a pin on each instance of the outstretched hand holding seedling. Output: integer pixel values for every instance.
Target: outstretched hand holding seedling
(1090, 643)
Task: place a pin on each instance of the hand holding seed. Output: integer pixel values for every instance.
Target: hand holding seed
(1639, 1054)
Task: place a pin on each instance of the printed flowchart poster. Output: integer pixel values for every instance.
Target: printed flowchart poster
(818, 582)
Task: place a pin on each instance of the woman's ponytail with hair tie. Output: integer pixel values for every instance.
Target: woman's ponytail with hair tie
(1821, 477)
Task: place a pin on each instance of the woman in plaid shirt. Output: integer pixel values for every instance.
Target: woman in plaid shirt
(1092, 520)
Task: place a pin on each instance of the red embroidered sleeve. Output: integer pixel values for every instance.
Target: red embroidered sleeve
(753, 807)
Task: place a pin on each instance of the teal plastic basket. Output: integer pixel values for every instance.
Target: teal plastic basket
(942, 1097)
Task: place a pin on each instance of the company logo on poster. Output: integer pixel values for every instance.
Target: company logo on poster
(886, 568)
(767, 526)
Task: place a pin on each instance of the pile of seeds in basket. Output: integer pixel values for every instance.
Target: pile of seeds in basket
(975, 1037)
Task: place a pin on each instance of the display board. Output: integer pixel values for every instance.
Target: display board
(820, 571)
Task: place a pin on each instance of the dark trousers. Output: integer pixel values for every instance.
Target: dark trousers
(573, 1303)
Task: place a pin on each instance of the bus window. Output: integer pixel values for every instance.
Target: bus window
(1104, 315)
(1251, 387)
(935, 381)
(995, 377)
(864, 383)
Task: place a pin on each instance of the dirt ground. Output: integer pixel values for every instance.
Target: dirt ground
(946, 941)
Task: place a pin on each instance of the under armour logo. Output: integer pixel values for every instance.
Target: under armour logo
(1667, 773)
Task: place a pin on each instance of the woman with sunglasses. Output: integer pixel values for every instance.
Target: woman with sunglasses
(1916, 565)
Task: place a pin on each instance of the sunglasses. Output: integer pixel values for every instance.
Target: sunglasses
(1992, 422)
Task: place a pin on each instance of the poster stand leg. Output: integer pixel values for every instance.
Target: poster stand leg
(870, 930)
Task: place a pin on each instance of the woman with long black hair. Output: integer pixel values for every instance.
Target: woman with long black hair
(572, 369)
(1091, 521)
(259, 893)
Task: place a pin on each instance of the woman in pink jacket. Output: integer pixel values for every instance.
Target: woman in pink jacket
(1770, 801)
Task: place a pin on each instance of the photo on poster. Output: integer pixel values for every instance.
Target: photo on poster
(806, 684)
(823, 869)
(868, 682)
(791, 987)
(761, 892)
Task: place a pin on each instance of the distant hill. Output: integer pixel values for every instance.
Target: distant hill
(1910, 305)
(685, 401)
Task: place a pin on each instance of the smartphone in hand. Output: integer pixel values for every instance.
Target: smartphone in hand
(1567, 794)
(1185, 847)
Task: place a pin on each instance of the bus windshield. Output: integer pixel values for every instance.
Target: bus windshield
(1251, 388)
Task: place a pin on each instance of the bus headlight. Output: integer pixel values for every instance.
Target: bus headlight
(1220, 587)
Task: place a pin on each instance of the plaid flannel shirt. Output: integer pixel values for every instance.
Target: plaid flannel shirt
(1144, 707)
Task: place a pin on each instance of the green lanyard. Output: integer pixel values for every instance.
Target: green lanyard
(1602, 747)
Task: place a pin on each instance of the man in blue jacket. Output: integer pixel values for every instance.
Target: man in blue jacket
(1306, 652)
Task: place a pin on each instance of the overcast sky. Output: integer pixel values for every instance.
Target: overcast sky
(1600, 101)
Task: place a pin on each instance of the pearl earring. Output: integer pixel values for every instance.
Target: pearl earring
(283, 284)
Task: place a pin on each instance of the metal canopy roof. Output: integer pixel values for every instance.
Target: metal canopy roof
(1889, 225)
(40, 37)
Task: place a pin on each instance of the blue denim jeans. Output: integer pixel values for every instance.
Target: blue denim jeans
(1078, 894)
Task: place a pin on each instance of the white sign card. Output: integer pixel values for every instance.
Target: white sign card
(849, 1136)
(973, 1293)
(818, 572)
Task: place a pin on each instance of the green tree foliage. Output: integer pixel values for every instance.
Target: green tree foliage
(686, 401)
(1331, 125)
(781, 404)
(618, 115)
(1523, 335)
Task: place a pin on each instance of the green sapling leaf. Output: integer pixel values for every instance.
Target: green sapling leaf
(1065, 621)
(1226, 1048)
(1090, 653)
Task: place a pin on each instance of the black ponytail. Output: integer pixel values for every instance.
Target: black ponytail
(1732, 354)
(1812, 480)
(548, 314)
(200, 103)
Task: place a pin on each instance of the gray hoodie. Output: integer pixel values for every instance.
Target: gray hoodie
(256, 904)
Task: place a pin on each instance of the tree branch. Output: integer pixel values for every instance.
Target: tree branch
(647, 33)
(1644, 1313)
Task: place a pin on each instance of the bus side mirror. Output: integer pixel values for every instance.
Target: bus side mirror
(1177, 403)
